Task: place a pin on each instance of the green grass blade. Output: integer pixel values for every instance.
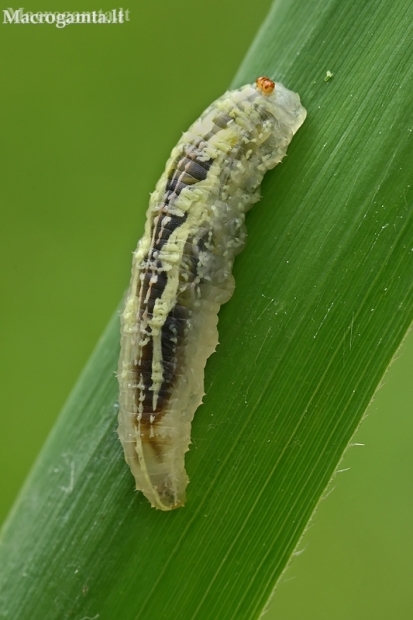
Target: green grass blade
(324, 297)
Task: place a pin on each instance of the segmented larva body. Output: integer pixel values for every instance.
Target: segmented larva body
(181, 274)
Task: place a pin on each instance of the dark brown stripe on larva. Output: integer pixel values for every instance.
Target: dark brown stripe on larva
(151, 288)
(165, 226)
(173, 340)
(222, 120)
(198, 170)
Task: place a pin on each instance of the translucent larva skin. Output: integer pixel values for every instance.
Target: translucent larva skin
(181, 274)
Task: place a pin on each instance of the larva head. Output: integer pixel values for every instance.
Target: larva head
(282, 103)
(265, 85)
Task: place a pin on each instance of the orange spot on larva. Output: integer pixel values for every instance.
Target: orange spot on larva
(265, 85)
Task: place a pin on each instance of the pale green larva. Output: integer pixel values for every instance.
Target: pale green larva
(181, 274)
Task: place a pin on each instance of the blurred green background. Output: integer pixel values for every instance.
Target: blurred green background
(89, 115)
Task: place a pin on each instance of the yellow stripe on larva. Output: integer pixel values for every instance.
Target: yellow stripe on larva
(181, 274)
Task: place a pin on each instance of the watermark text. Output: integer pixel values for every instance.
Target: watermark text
(60, 20)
